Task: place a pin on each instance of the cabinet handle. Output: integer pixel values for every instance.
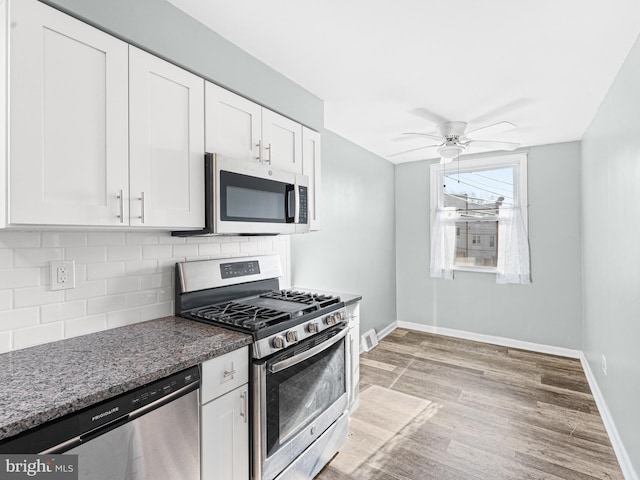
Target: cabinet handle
(270, 153)
(229, 373)
(243, 413)
(121, 216)
(259, 145)
(142, 207)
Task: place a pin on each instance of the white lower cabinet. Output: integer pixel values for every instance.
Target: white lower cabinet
(224, 417)
(353, 355)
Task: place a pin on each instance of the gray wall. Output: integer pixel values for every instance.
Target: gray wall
(611, 200)
(548, 310)
(162, 29)
(355, 250)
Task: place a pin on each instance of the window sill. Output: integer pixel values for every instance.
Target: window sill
(476, 269)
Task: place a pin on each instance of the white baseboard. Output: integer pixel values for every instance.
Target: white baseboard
(387, 330)
(505, 342)
(618, 447)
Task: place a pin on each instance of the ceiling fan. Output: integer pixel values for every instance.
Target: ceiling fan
(453, 139)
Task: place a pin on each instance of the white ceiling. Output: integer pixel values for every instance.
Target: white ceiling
(544, 65)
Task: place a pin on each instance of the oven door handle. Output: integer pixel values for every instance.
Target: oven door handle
(289, 362)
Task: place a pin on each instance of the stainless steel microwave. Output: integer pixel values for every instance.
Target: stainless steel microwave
(247, 198)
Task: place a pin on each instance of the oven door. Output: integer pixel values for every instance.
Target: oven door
(298, 394)
(254, 198)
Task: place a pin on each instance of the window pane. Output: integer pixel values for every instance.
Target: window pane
(476, 245)
(479, 193)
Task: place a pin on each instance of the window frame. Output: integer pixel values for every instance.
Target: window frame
(516, 160)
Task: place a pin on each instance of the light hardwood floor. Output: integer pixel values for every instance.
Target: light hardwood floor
(436, 407)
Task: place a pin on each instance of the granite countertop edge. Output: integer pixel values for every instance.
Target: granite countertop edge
(46, 382)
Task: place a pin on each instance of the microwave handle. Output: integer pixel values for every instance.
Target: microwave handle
(290, 203)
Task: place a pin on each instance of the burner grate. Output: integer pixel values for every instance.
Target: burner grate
(318, 300)
(240, 315)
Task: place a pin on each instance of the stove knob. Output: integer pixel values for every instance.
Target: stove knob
(340, 316)
(331, 320)
(312, 327)
(292, 336)
(277, 342)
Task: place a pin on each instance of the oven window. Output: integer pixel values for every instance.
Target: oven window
(299, 394)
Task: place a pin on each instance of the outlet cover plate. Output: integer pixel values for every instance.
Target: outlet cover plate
(62, 274)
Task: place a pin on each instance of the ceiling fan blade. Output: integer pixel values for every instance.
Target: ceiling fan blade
(432, 136)
(493, 145)
(429, 115)
(411, 150)
(504, 111)
(492, 129)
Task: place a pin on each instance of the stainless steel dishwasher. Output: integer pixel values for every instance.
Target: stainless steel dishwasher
(148, 433)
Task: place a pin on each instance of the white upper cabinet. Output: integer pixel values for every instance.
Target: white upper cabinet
(241, 129)
(166, 143)
(68, 157)
(311, 167)
(282, 142)
(233, 124)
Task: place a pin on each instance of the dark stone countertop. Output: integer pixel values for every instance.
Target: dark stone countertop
(42, 383)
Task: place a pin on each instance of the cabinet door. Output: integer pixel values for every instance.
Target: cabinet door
(232, 124)
(311, 161)
(282, 140)
(68, 154)
(166, 135)
(225, 437)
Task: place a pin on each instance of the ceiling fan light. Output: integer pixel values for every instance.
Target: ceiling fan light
(450, 151)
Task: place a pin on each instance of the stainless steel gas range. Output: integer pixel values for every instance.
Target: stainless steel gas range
(299, 365)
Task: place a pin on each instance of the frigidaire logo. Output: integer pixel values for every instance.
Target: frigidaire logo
(50, 467)
(104, 414)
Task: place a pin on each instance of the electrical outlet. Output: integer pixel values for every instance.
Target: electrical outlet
(604, 364)
(63, 274)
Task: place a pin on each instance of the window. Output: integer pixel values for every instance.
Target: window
(485, 200)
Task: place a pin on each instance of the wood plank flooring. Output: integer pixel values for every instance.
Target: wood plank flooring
(435, 407)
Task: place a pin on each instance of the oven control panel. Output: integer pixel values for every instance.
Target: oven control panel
(287, 338)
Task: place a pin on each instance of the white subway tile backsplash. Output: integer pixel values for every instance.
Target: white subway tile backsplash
(85, 325)
(35, 257)
(64, 239)
(124, 285)
(121, 278)
(156, 251)
(139, 299)
(86, 254)
(19, 239)
(83, 290)
(18, 318)
(123, 317)
(155, 281)
(130, 252)
(28, 297)
(97, 271)
(106, 304)
(62, 311)
(27, 337)
(157, 311)
(6, 258)
(19, 277)
(5, 341)
(141, 238)
(142, 267)
(6, 299)
(105, 238)
(229, 248)
(208, 249)
(186, 250)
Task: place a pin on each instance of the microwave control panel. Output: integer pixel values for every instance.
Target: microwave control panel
(303, 218)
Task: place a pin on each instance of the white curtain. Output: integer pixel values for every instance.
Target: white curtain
(443, 243)
(513, 247)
